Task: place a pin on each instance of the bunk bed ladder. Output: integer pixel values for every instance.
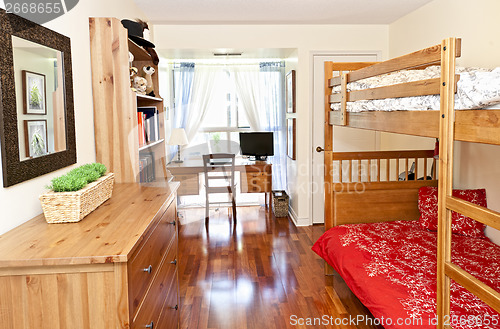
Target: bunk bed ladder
(446, 270)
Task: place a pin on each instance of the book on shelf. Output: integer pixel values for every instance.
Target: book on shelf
(146, 167)
(140, 128)
(149, 124)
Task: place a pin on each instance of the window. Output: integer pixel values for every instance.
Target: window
(225, 113)
(226, 116)
(219, 115)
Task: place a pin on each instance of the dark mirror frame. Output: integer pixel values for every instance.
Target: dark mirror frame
(16, 171)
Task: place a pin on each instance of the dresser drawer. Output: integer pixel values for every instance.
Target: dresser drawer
(145, 261)
(154, 301)
(169, 318)
(255, 182)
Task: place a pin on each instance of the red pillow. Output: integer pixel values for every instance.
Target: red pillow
(460, 224)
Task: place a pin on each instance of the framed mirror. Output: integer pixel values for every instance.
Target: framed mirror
(37, 124)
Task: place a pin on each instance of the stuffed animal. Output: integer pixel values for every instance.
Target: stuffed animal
(140, 85)
(147, 72)
(132, 70)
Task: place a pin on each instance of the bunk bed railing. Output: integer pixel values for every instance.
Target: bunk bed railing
(384, 182)
(408, 89)
(419, 59)
(383, 167)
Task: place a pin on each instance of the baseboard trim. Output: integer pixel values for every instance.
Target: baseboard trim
(296, 220)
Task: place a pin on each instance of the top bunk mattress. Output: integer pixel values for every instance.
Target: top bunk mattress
(391, 268)
(477, 89)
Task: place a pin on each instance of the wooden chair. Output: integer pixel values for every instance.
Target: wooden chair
(219, 167)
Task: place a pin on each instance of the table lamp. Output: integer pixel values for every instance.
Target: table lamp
(178, 137)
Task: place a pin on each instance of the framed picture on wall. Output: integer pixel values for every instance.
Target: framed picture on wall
(34, 101)
(290, 92)
(35, 137)
(290, 138)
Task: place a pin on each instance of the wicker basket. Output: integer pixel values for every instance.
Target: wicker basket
(70, 207)
(280, 204)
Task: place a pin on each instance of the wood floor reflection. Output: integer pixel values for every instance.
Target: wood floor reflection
(258, 274)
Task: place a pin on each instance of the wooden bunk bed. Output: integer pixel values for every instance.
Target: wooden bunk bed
(480, 126)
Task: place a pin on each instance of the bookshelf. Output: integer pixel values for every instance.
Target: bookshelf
(145, 98)
(117, 109)
(147, 146)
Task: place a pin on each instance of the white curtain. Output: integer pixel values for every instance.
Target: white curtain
(247, 81)
(273, 99)
(201, 96)
(183, 85)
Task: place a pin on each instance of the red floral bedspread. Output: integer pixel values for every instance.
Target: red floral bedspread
(391, 268)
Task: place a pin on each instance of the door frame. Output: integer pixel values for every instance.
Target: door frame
(312, 54)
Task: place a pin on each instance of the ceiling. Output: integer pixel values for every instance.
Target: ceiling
(277, 11)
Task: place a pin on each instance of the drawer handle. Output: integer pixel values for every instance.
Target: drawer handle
(174, 262)
(176, 307)
(148, 269)
(151, 325)
(172, 222)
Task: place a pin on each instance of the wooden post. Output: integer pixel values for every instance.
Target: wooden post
(343, 102)
(446, 137)
(425, 168)
(388, 170)
(378, 170)
(328, 162)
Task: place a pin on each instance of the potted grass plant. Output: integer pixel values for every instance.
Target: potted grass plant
(76, 194)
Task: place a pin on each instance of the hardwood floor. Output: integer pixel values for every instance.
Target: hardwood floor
(260, 274)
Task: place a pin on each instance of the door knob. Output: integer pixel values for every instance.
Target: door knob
(319, 149)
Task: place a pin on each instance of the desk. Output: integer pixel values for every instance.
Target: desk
(255, 176)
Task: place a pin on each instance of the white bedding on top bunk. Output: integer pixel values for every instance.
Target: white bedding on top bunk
(477, 88)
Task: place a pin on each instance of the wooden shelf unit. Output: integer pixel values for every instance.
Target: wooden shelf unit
(115, 104)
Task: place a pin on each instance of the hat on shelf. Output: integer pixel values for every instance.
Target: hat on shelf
(135, 33)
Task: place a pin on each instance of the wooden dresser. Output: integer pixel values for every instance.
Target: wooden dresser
(117, 268)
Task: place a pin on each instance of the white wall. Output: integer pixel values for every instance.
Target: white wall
(306, 39)
(20, 202)
(477, 23)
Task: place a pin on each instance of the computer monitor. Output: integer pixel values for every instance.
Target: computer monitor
(259, 145)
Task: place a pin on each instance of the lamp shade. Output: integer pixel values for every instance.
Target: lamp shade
(178, 137)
